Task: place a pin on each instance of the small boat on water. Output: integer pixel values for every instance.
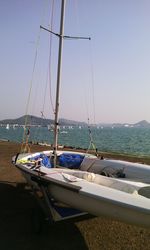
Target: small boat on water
(85, 183)
(7, 127)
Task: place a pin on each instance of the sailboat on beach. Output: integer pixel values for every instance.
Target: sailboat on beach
(83, 182)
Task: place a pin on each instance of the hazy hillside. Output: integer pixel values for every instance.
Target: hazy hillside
(33, 120)
(142, 123)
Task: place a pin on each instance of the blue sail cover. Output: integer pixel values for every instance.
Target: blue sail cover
(69, 160)
(44, 160)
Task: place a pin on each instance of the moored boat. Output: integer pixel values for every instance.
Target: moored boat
(116, 189)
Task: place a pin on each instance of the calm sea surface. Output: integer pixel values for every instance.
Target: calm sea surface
(131, 141)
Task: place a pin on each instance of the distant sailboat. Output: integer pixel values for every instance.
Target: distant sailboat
(64, 132)
(49, 127)
(7, 126)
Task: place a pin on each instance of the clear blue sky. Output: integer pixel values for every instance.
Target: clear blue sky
(107, 79)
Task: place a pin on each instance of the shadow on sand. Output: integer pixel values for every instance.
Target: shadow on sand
(16, 229)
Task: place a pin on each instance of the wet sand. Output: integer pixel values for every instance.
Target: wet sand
(16, 220)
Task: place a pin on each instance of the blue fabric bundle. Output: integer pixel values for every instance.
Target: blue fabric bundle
(43, 159)
(69, 160)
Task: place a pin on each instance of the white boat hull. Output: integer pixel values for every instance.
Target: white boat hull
(124, 199)
(101, 206)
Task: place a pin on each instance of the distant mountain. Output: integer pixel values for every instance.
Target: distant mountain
(34, 120)
(63, 121)
(142, 123)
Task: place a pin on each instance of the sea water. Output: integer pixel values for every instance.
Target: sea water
(124, 140)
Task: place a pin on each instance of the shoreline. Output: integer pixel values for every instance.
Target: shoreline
(17, 204)
(145, 159)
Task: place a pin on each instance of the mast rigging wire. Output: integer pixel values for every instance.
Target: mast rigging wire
(50, 57)
(25, 139)
(93, 101)
(76, 7)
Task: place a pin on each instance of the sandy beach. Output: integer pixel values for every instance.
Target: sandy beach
(16, 227)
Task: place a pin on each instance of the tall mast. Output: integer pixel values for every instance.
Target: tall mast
(61, 35)
(61, 38)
